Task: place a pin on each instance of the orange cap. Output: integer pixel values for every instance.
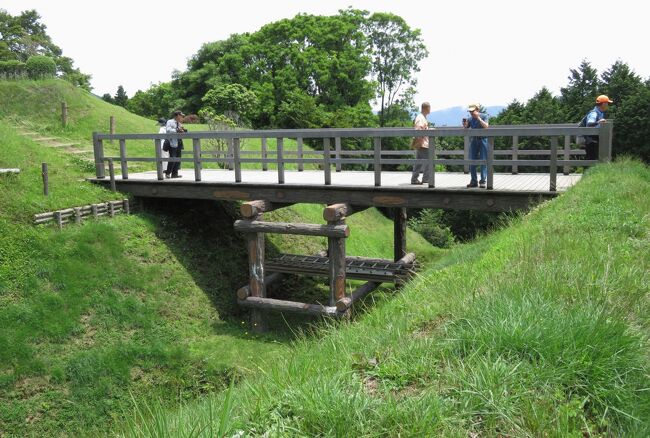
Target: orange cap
(603, 99)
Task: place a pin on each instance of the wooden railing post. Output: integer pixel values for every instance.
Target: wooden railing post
(466, 152)
(123, 162)
(301, 166)
(265, 154)
(230, 153)
(255, 245)
(196, 150)
(515, 153)
(159, 163)
(280, 158)
(111, 173)
(235, 156)
(431, 157)
(337, 152)
(605, 142)
(567, 154)
(553, 165)
(64, 114)
(326, 161)
(98, 149)
(377, 161)
(490, 163)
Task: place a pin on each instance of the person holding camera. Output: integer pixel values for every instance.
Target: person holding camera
(478, 146)
(174, 126)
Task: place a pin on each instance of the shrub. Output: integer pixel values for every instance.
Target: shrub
(39, 67)
(427, 223)
(191, 118)
(12, 69)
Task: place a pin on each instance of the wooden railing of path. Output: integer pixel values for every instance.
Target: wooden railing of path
(334, 263)
(333, 156)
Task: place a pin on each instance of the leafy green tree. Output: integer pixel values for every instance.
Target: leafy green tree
(234, 99)
(579, 95)
(396, 51)
(120, 97)
(108, 98)
(619, 83)
(158, 101)
(23, 36)
(40, 67)
(632, 125)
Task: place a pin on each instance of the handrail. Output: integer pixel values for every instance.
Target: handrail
(376, 157)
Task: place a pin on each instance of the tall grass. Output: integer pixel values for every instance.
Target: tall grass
(540, 329)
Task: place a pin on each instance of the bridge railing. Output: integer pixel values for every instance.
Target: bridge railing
(333, 156)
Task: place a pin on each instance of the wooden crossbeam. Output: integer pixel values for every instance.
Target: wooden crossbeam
(252, 226)
(288, 306)
(252, 209)
(337, 212)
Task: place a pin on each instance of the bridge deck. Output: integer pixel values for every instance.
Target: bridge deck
(510, 191)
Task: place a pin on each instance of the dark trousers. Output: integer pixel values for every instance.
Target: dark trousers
(173, 167)
(591, 150)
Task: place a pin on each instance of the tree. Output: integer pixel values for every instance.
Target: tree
(632, 125)
(395, 50)
(620, 83)
(580, 94)
(120, 97)
(232, 98)
(23, 36)
(159, 100)
(108, 98)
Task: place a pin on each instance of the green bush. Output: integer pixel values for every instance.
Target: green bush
(40, 67)
(428, 224)
(12, 69)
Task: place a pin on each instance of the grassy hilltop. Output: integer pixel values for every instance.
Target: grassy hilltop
(129, 326)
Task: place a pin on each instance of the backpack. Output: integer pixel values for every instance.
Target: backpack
(581, 139)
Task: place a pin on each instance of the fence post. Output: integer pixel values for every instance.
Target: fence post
(377, 161)
(399, 232)
(605, 142)
(111, 125)
(326, 161)
(490, 163)
(123, 164)
(196, 150)
(301, 166)
(553, 165)
(46, 179)
(337, 154)
(235, 155)
(98, 147)
(515, 153)
(280, 157)
(64, 114)
(159, 164)
(431, 157)
(111, 173)
(265, 154)
(466, 153)
(567, 154)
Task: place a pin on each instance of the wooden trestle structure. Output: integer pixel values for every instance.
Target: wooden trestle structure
(332, 263)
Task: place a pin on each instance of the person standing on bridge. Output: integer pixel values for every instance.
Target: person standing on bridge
(174, 126)
(421, 146)
(162, 122)
(478, 146)
(594, 118)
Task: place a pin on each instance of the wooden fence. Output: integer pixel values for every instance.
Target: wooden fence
(76, 214)
(333, 156)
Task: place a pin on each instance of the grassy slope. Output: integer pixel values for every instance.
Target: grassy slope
(113, 309)
(540, 329)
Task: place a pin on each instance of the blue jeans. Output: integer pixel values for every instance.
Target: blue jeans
(478, 151)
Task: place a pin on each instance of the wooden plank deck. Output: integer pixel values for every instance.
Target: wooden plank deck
(526, 182)
(511, 192)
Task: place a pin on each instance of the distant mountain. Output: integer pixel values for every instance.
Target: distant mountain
(454, 115)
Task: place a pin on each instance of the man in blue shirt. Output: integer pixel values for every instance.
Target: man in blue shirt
(594, 118)
(478, 145)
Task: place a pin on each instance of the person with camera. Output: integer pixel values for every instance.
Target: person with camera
(478, 146)
(175, 144)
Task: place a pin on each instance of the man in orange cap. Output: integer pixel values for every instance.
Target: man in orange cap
(594, 118)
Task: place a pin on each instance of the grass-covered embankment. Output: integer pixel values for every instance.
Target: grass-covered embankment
(540, 329)
(138, 307)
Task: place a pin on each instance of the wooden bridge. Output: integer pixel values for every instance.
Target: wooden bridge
(244, 175)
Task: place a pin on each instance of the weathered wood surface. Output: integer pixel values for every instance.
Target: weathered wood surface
(337, 212)
(288, 306)
(346, 302)
(252, 209)
(248, 226)
(9, 171)
(399, 233)
(75, 214)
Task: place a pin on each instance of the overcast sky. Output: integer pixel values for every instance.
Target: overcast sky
(491, 52)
